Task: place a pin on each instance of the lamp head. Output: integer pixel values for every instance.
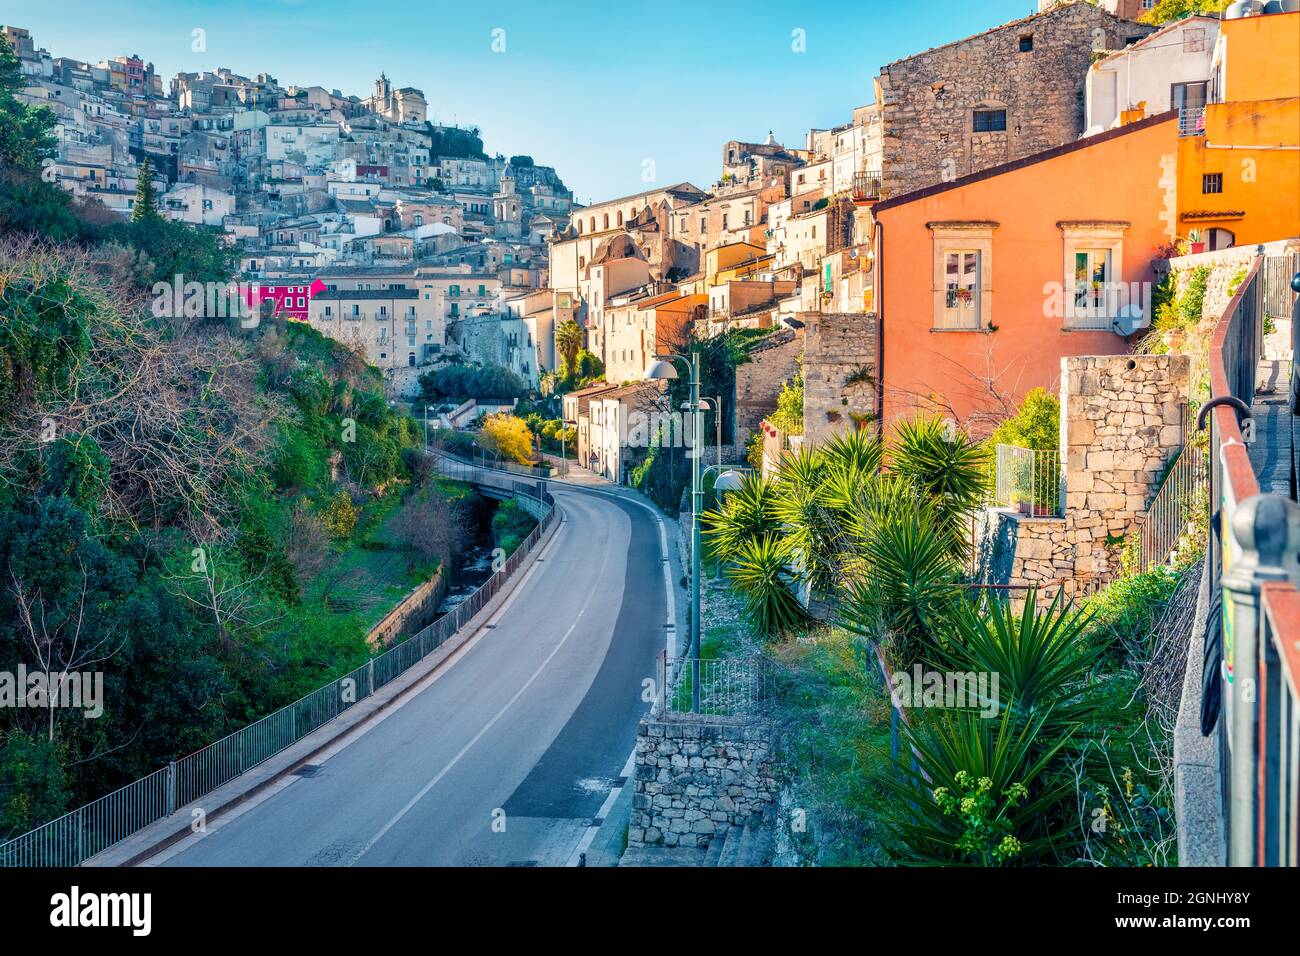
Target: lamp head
(730, 480)
(661, 369)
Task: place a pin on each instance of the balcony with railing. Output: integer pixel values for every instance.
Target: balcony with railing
(1191, 121)
(867, 186)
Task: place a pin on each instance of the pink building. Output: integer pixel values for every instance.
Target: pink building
(292, 301)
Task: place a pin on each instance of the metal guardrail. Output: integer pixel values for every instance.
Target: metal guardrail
(1252, 559)
(1028, 479)
(514, 468)
(78, 835)
(1184, 490)
(728, 687)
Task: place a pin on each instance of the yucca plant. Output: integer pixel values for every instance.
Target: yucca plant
(945, 466)
(760, 571)
(1044, 659)
(743, 515)
(977, 792)
(906, 587)
(853, 450)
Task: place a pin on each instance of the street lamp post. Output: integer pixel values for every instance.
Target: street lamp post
(663, 369)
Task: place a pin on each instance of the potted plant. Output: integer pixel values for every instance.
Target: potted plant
(1194, 241)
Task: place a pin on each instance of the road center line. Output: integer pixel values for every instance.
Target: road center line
(476, 738)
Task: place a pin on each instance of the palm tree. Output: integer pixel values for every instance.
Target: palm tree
(743, 515)
(569, 339)
(761, 572)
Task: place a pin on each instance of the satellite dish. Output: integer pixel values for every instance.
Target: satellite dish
(1129, 320)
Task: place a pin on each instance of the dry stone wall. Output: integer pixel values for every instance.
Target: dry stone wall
(694, 778)
(839, 372)
(1123, 417)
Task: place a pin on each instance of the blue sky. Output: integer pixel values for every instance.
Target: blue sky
(592, 88)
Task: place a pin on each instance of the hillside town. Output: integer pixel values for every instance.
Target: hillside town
(430, 251)
(994, 378)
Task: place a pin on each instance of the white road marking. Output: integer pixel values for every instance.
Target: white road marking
(397, 817)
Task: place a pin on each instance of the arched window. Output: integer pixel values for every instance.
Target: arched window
(605, 220)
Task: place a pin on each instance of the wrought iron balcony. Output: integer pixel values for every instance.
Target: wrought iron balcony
(1191, 121)
(867, 186)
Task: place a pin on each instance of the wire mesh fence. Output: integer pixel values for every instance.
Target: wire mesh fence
(81, 833)
(729, 687)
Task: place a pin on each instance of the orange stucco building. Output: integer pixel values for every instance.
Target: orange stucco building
(985, 283)
(1239, 164)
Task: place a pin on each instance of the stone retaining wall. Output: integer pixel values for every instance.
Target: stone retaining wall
(772, 362)
(413, 612)
(694, 778)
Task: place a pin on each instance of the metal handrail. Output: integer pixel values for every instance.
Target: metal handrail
(1029, 475)
(1171, 511)
(1252, 560)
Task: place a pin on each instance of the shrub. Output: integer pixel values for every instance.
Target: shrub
(340, 516)
(1036, 424)
(471, 381)
(976, 792)
(510, 525)
(788, 416)
(506, 436)
(760, 572)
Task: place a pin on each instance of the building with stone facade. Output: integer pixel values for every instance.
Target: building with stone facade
(405, 105)
(992, 98)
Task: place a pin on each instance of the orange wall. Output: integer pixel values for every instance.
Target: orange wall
(1128, 176)
(1263, 57)
(1260, 108)
(1264, 184)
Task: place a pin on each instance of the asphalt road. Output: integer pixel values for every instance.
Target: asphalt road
(506, 754)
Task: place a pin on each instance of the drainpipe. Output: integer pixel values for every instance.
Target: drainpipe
(878, 294)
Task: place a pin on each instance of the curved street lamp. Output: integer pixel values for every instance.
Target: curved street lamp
(663, 369)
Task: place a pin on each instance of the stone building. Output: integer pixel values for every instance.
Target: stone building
(994, 97)
(773, 361)
(405, 105)
(840, 364)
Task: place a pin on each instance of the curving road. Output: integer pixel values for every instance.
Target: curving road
(507, 753)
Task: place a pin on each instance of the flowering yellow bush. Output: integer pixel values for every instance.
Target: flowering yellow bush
(507, 436)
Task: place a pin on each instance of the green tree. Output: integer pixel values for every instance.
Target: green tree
(1036, 424)
(26, 133)
(146, 199)
(1168, 10)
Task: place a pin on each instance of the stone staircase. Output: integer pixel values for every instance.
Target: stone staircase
(733, 846)
(740, 846)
